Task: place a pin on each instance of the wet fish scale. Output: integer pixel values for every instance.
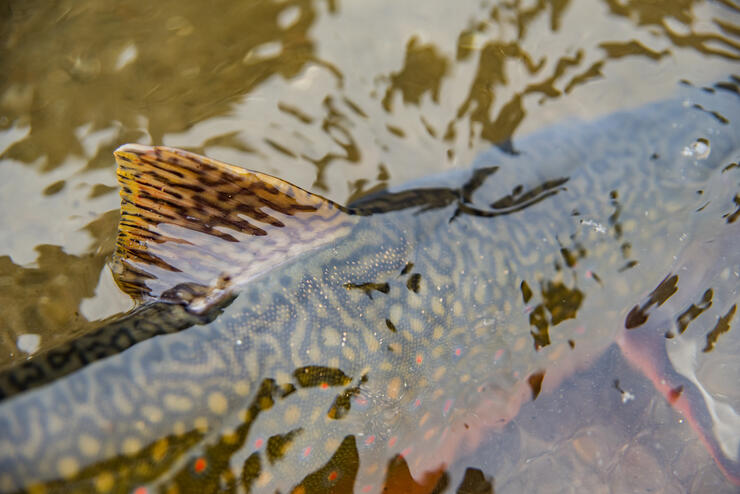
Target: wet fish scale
(403, 329)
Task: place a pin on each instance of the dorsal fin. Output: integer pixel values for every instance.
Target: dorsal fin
(192, 227)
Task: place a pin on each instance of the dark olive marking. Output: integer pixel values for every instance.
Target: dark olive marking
(730, 167)
(368, 288)
(665, 289)
(722, 326)
(390, 325)
(538, 319)
(414, 282)
(731, 218)
(338, 474)
(279, 444)
(535, 383)
(685, 318)
(407, 268)
(675, 393)
(475, 482)
(627, 265)
(718, 116)
(342, 403)
(398, 478)
(315, 375)
(251, 470)
(526, 292)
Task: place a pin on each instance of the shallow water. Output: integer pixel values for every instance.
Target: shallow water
(340, 98)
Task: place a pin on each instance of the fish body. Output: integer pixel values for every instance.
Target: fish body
(302, 346)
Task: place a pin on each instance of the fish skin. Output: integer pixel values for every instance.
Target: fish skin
(236, 402)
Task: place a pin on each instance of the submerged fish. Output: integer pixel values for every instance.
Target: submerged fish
(286, 343)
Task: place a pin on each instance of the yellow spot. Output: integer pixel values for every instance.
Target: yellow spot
(438, 332)
(480, 293)
(159, 450)
(104, 482)
(348, 353)
(424, 419)
(437, 351)
(394, 388)
(241, 388)
(292, 414)
(372, 468)
(371, 343)
(89, 446)
(386, 365)
(131, 446)
(67, 467)
(457, 308)
(36, 489)
(179, 428)
(331, 337)
(331, 445)
(201, 424)
(439, 373)
(465, 378)
(395, 313)
(230, 438)
(299, 490)
(416, 325)
(177, 403)
(152, 414)
(218, 403)
(437, 307)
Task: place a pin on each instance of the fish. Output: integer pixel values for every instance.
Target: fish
(286, 343)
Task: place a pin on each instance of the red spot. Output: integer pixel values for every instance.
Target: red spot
(333, 476)
(417, 403)
(419, 359)
(499, 353)
(307, 451)
(258, 443)
(448, 404)
(367, 488)
(324, 385)
(370, 440)
(458, 352)
(405, 452)
(141, 490)
(200, 465)
(392, 441)
(361, 401)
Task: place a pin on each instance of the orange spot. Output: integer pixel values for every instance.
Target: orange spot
(370, 440)
(141, 490)
(405, 452)
(258, 443)
(200, 465)
(448, 404)
(367, 488)
(392, 441)
(307, 451)
(458, 352)
(333, 476)
(324, 385)
(419, 359)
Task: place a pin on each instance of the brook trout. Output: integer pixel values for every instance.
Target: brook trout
(287, 343)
